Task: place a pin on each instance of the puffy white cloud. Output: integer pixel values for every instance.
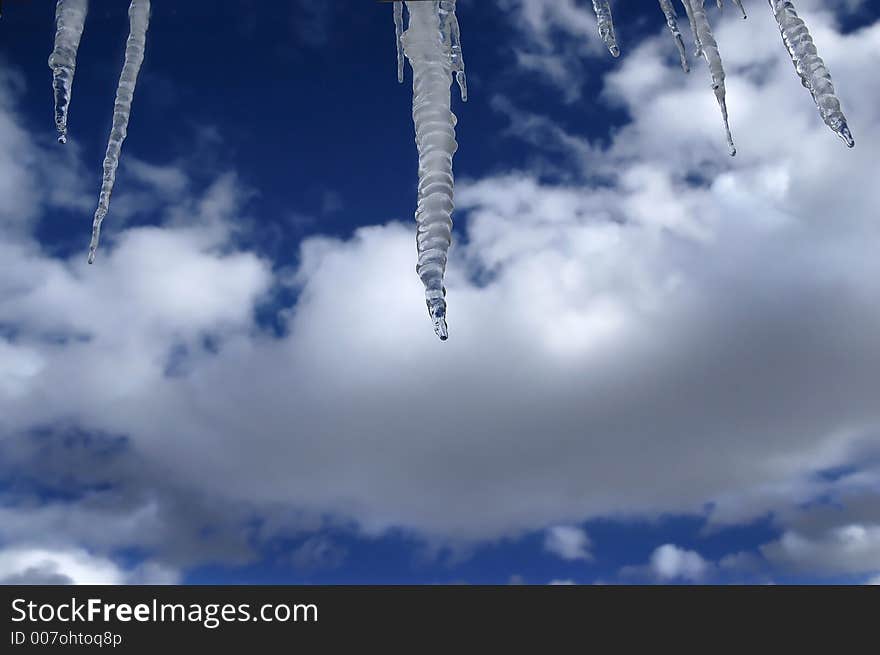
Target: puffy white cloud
(669, 562)
(40, 566)
(568, 542)
(852, 548)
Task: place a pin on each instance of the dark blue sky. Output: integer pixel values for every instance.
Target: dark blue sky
(301, 100)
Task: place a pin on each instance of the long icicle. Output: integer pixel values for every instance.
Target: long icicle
(709, 49)
(139, 21)
(430, 57)
(739, 4)
(398, 32)
(606, 26)
(70, 19)
(810, 68)
(672, 23)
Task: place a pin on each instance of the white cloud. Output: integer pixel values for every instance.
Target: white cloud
(568, 542)
(669, 563)
(852, 548)
(21, 565)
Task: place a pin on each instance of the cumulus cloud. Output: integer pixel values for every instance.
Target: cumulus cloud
(689, 331)
(38, 566)
(568, 542)
(850, 548)
(669, 562)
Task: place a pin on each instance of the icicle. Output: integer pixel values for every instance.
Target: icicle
(606, 26)
(739, 4)
(672, 24)
(721, 4)
(70, 18)
(690, 14)
(398, 32)
(709, 48)
(452, 40)
(429, 55)
(810, 67)
(139, 21)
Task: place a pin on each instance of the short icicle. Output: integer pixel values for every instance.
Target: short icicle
(690, 14)
(70, 19)
(709, 49)
(672, 23)
(811, 68)
(606, 26)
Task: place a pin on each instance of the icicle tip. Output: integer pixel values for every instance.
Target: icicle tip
(844, 133)
(437, 312)
(440, 329)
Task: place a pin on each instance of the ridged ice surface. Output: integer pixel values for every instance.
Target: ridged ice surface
(139, 21)
(70, 18)
(709, 49)
(428, 45)
(606, 25)
(810, 67)
(672, 23)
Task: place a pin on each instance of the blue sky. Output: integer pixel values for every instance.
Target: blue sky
(662, 363)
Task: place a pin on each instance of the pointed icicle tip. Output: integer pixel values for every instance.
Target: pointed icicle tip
(437, 312)
(602, 9)
(440, 329)
(844, 133)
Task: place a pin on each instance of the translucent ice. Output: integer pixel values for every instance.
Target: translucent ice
(429, 45)
(709, 49)
(810, 68)
(139, 21)
(606, 26)
(70, 18)
(672, 24)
